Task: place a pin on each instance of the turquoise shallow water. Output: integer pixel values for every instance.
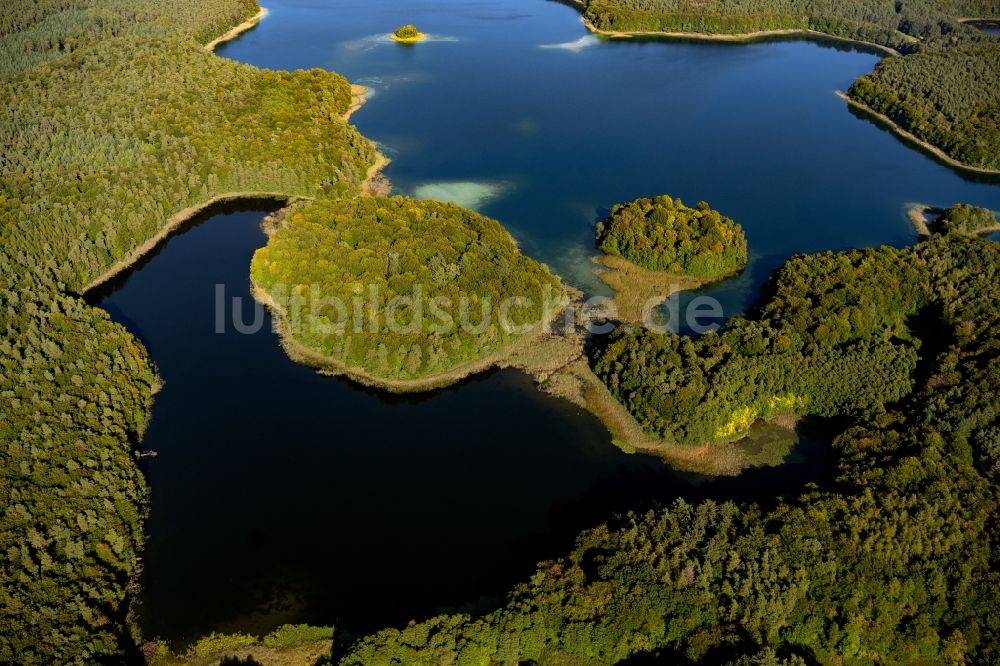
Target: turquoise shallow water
(282, 496)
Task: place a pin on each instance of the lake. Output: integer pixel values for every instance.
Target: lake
(279, 495)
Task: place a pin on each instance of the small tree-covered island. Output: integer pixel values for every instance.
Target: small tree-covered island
(407, 34)
(653, 247)
(401, 293)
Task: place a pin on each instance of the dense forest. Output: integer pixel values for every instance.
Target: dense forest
(449, 271)
(114, 119)
(892, 561)
(949, 98)
(944, 90)
(105, 144)
(74, 399)
(36, 31)
(662, 234)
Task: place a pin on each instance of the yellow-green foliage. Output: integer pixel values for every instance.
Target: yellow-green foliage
(966, 219)
(663, 234)
(214, 643)
(74, 398)
(102, 146)
(437, 254)
(293, 634)
(408, 31)
(898, 25)
(36, 31)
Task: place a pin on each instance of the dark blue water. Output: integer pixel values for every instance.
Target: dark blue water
(279, 495)
(990, 27)
(564, 133)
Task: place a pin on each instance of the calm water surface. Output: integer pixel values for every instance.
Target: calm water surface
(283, 496)
(516, 98)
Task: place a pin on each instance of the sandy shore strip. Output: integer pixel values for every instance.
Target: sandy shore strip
(359, 95)
(934, 150)
(375, 183)
(918, 217)
(178, 220)
(236, 31)
(419, 37)
(760, 35)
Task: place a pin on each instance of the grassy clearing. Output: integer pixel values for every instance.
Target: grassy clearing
(636, 287)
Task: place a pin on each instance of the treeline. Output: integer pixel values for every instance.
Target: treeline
(662, 234)
(949, 98)
(899, 25)
(892, 562)
(456, 270)
(114, 120)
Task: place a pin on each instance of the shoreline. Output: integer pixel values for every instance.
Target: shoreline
(994, 22)
(176, 221)
(747, 37)
(359, 97)
(505, 357)
(558, 363)
(917, 217)
(374, 184)
(555, 359)
(236, 31)
(419, 37)
(912, 138)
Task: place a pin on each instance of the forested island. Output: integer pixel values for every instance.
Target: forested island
(942, 91)
(400, 293)
(407, 34)
(662, 234)
(119, 124)
(653, 247)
